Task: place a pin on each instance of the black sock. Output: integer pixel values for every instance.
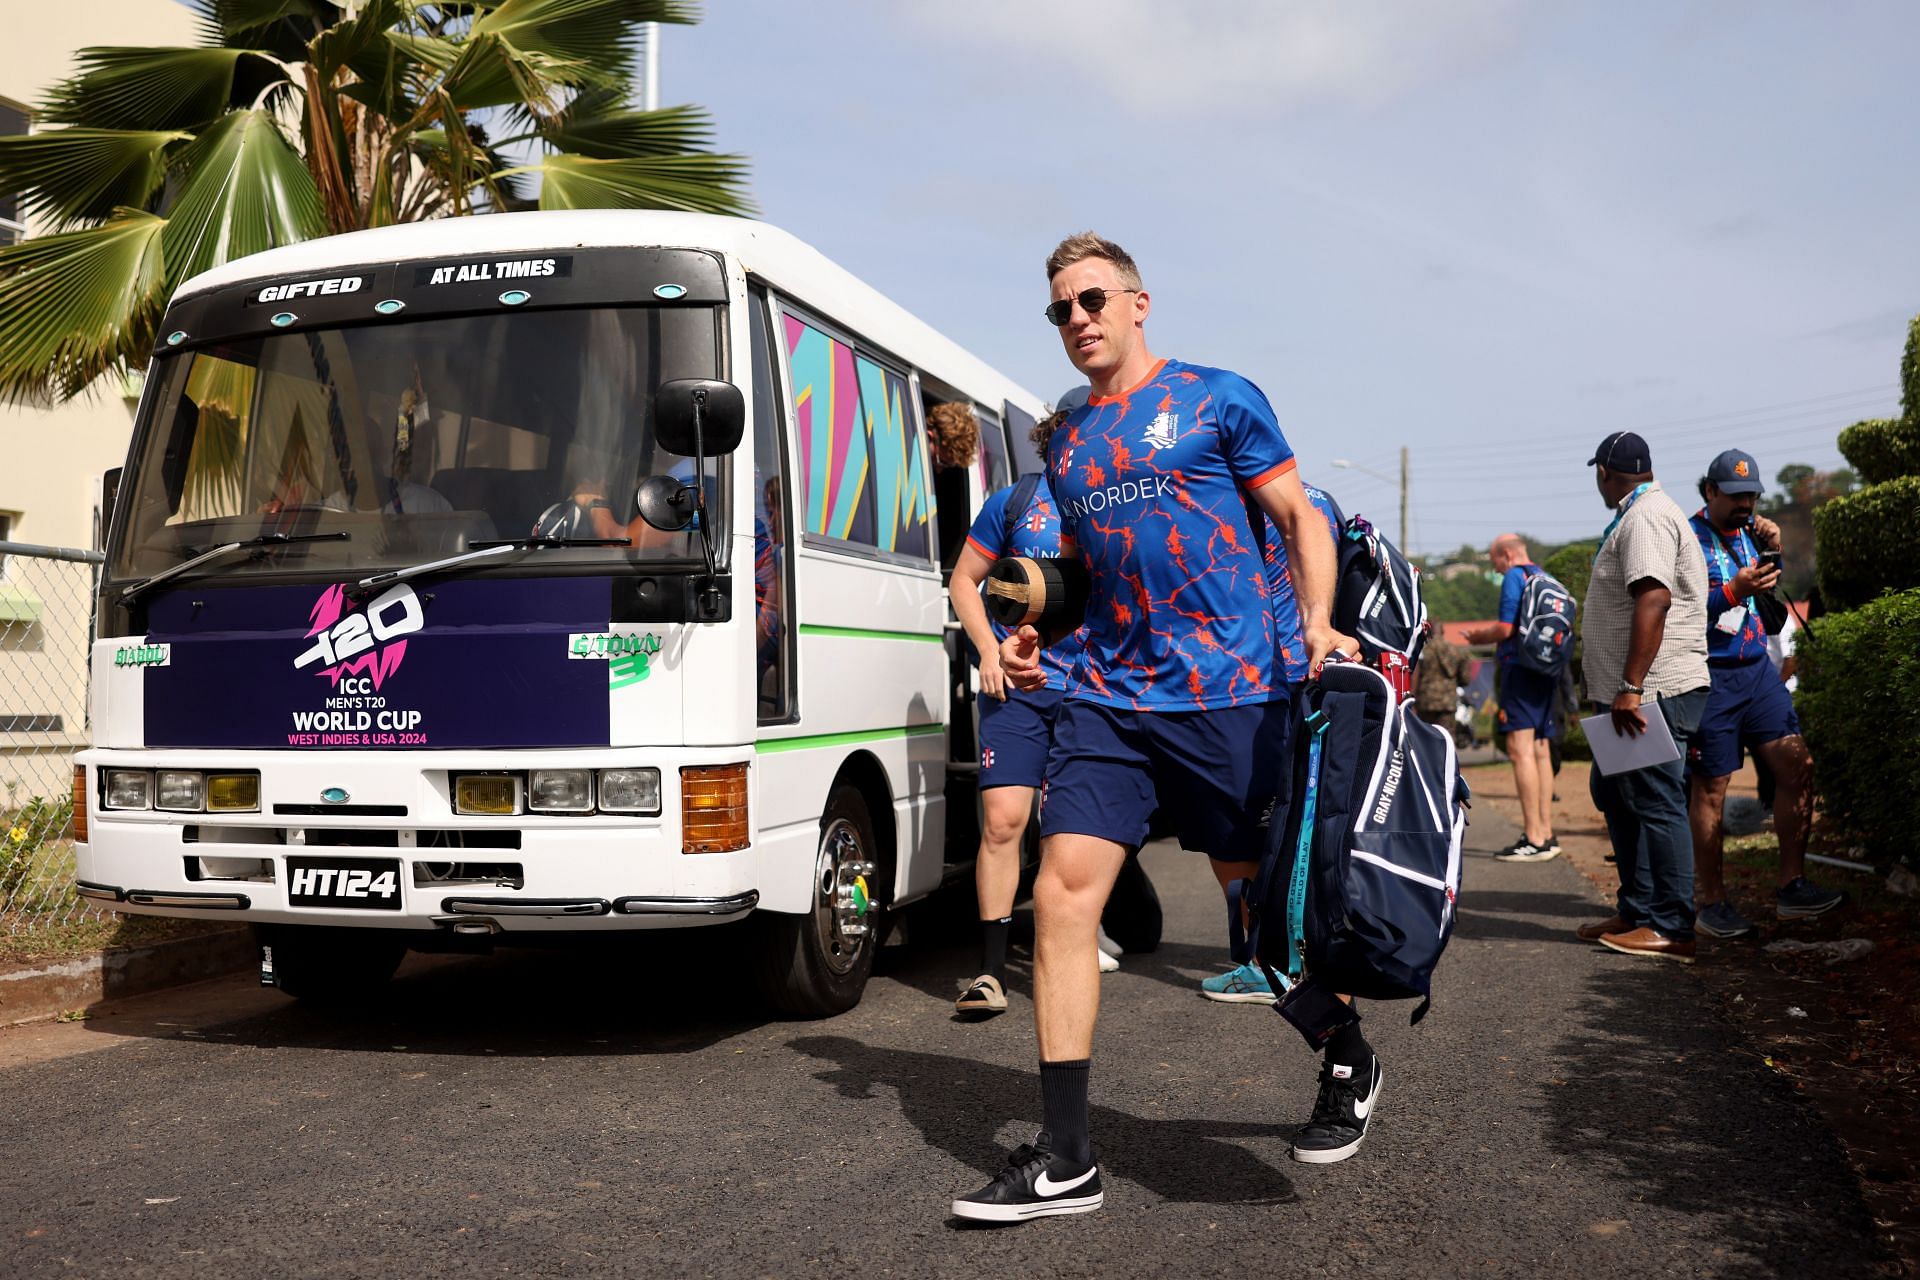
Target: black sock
(993, 947)
(1349, 1048)
(1063, 1100)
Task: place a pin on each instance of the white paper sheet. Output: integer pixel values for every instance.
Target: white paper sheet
(1615, 752)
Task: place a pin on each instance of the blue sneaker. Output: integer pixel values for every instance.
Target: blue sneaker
(1801, 897)
(1245, 985)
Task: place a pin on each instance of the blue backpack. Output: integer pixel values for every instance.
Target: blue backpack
(1356, 892)
(1543, 625)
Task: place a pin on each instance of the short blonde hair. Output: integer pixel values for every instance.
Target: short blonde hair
(1087, 244)
(953, 434)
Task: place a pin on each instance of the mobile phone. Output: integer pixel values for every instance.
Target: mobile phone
(1770, 560)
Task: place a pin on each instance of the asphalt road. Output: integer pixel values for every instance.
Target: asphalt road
(1563, 1111)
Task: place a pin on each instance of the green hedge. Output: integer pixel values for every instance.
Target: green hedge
(1859, 704)
(1910, 373)
(1573, 565)
(1882, 449)
(1865, 542)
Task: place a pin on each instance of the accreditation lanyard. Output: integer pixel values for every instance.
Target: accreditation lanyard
(1727, 559)
(1626, 505)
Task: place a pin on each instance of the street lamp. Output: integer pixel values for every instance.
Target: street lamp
(1345, 464)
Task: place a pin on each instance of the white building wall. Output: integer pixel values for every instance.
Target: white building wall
(51, 456)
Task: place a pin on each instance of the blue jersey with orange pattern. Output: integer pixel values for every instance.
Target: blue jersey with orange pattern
(1727, 555)
(1289, 646)
(1036, 534)
(1152, 485)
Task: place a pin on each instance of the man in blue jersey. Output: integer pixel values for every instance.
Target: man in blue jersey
(1527, 701)
(1176, 701)
(1246, 983)
(1016, 726)
(1747, 707)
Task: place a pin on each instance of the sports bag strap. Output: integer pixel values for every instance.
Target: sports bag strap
(1017, 503)
(1297, 887)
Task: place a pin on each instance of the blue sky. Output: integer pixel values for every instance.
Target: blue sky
(1489, 231)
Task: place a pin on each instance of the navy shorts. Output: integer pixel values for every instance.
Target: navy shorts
(1214, 774)
(1015, 737)
(1526, 700)
(1747, 707)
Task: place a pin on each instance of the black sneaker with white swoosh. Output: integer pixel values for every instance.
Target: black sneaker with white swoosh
(1035, 1184)
(1340, 1115)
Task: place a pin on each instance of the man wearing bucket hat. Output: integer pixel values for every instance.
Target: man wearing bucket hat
(1644, 634)
(1748, 708)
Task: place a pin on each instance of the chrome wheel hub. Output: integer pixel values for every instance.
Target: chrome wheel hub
(843, 903)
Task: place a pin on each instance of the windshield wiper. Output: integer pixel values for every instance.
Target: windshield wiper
(224, 550)
(481, 551)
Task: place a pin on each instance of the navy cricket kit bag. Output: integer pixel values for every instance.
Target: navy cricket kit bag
(1356, 892)
(1376, 595)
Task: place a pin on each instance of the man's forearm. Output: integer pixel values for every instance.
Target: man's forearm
(1649, 628)
(1314, 565)
(972, 612)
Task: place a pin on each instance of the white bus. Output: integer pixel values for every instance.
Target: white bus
(388, 657)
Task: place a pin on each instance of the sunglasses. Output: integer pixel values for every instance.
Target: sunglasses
(1092, 301)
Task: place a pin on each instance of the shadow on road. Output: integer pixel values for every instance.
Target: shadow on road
(960, 1104)
(1653, 1094)
(651, 995)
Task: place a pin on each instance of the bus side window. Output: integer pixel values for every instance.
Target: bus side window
(772, 570)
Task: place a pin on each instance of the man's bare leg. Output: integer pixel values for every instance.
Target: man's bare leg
(1527, 781)
(1076, 875)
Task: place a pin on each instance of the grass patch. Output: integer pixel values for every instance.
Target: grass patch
(26, 938)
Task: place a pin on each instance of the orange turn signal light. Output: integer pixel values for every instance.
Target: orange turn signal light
(80, 802)
(713, 808)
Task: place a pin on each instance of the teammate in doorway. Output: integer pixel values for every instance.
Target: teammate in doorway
(1175, 700)
(1016, 726)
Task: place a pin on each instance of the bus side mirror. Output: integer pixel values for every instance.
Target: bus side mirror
(665, 503)
(699, 417)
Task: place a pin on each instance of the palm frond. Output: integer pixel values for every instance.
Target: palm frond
(589, 41)
(601, 124)
(77, 304)
(134, 88)
(491, 73)
(695, 183)
(242, 189)
(75, 176)
(279, 27)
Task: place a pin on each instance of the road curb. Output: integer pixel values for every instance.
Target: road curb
(46, 988)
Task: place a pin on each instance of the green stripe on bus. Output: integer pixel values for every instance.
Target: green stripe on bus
(845, 739)
(863, 633)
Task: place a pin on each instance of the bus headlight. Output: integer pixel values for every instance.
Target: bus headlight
(233, 793)
(560, 791)
(181, 790)
(129, 789)
(630, 791)
(492, 794)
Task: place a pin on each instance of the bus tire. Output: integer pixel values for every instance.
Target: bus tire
(327, 966)
(817, 964)
(1132, 915)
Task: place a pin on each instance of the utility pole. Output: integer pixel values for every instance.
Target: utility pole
(650, 78)
(1404, 549)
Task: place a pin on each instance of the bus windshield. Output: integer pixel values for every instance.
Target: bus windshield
(417, 440)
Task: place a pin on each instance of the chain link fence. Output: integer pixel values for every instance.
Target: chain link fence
(46, 628)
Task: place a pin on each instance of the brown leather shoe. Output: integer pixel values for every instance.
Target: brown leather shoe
(1648, 942)
(1594, 932)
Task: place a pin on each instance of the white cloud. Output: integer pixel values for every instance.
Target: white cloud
(1206, 57)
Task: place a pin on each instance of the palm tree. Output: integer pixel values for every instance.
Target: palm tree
(301, 118)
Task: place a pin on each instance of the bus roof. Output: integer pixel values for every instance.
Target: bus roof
(764, 251)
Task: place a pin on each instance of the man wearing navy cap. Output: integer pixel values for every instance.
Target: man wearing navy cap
(1749, 707)
(1644, 631)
